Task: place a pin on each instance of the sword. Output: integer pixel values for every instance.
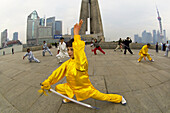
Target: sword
(75, 101)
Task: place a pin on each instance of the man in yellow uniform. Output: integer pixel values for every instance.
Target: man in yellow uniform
(144, 53)
(76, 72)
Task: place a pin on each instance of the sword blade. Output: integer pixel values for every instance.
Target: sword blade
(75, 101)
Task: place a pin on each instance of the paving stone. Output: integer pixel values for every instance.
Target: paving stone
(7, 87)
(149, 79)
(144, 85)
(134, 82)
(15, 91)
(160, 98)
(24, 101)
(6, 107)
(142, 102)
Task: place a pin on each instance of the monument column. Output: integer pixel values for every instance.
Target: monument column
(90, 9)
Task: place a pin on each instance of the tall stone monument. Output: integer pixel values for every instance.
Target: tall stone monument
(90, 9)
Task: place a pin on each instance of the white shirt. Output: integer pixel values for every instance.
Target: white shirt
(45, 46)
(168, 47)
(30, 55)
(62, 47)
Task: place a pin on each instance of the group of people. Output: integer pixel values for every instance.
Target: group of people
(167, 48)
(76, 69)
(143, 52)
(124, 43)
(62, 52)
(76, 72)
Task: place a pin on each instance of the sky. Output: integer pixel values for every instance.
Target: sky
(120, 18)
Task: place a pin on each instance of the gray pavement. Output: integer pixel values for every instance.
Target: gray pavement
(145, 85)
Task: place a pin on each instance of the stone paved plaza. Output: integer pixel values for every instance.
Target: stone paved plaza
(145, 85)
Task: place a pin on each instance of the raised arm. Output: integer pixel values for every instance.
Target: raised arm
(78, 47)
(130, 41)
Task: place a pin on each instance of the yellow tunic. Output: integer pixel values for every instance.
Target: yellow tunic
(144, 52)
(76, 72)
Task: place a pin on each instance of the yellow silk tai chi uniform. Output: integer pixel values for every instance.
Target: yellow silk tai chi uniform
(144, 52)
(76, 72)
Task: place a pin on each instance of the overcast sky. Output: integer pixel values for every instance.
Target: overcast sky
(121, 18)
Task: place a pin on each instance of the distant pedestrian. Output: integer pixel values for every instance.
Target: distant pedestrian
(167, 48)
(12, 50)
(119, 45)
(3, 52)
(126, 45)
(30, 56)
(161, 46)
(157, 47)
(97, 46)
(164, 46)
(45, 48)
(144, 53)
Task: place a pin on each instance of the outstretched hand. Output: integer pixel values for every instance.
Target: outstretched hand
(77, 27)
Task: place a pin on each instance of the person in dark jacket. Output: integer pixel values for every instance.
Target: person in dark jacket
(157, 47)
(12, 50)
(126, 45)
(97, 46)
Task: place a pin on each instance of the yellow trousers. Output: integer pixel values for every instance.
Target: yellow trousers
(141, 57)
(98, 95)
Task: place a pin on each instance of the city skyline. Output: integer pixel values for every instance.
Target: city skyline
(120, 18)
(150, 37)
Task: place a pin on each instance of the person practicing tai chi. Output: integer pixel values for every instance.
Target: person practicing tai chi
(45, 48)
(144, 53)
(30, 56)
(62, 50)
(119, 45)
(76, 71)
(126, 45)
(97, 46)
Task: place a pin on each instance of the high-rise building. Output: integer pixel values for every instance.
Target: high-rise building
(44, 32)
(42, 21)
(72, 31)
(51, 22)
(4, 35)
(15, 36)
(158, 37)
(137, 38)
(146, 37)
(149, 38)
(58, 27)
(33, 22)
(154, 37)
